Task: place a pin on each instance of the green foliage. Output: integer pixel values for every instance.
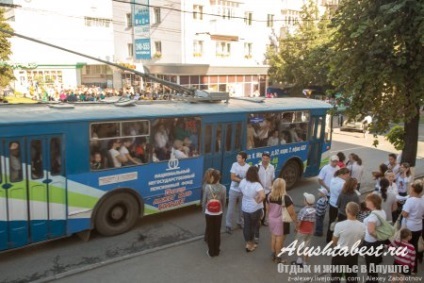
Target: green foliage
(396, 137)
(300, 58)
(378, 58)
(6, 73)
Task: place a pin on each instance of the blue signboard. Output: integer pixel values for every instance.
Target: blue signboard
(141, 25)
(142, 48)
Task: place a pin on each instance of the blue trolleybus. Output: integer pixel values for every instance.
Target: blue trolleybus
(65, 170)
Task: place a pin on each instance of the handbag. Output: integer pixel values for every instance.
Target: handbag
(285, 215)
(385, 231)
(398, 226)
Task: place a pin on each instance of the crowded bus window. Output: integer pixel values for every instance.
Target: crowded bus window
(259, 128)
(15, 165)
(119, 144)
(55, 156)
(176, 138)
(272, 129)
(36, 160)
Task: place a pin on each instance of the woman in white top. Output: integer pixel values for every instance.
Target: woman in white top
(356, 168)
(336, 186)
(251, 205)
(389, 175)
(373, 203)
(389, 203)
(413, 212)
(404, 179)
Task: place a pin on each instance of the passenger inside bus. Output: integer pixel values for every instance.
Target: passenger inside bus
(15, 162)
(96, 161)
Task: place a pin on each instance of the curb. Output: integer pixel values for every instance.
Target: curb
(115, 260)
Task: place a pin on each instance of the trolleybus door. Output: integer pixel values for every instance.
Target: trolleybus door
(315, 146)
(222, 143)
(46, 188)
(13, 195)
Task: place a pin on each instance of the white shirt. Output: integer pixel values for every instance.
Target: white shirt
(272, 141)
(387, 205)
(336, 187)
(250, 191)
(124, 151)
(403, 184)
(266, 176)
(356, 171)
(114, 153)
(349, 232)
(327, 173)
(372, 218)
(240, 172)
(161, 138)
(179, 154)
(415, 208)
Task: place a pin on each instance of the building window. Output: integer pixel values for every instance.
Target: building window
(223, 49)
(226, 9)
(270, 21)
(198, 48)
(129, 20)
(158, 49)
(248, 50)
(248, 16)
(130, 50)
(197, 12)
(97, 22)
(156, 12)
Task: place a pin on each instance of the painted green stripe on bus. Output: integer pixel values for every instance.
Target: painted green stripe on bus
(80, 200)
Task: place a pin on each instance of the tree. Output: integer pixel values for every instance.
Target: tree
(298, 60)
(6, 72)
(378, 60)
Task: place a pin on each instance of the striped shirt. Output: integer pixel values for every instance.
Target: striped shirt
(409, 258)
(306, 217)
(321, 206)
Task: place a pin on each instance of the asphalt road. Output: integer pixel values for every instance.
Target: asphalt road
(169, 246)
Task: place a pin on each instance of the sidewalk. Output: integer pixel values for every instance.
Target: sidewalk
(188, 262)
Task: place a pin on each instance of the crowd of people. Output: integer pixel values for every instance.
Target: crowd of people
(94, 93)
(259, 199)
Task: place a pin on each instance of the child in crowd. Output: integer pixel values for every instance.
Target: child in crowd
(406, 261)
(305, 226)
(321, 208)
(363, 212)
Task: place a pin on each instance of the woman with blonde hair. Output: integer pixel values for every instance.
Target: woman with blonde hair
(277, 227)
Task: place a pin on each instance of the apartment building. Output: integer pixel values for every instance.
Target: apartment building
(206, 44)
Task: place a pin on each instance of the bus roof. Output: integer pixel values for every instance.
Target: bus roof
(11, 114)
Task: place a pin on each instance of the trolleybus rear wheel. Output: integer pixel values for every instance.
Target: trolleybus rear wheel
(117, 214)
(290, 173)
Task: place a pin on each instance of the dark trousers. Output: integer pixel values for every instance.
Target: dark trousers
(414, 241)
(372, 259)
(332, 213)
(213, 233)
(348, 261)
(264, 202)
(251, 223)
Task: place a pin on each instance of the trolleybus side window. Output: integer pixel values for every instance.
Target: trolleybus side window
(119, 144)
(176, 137)
(271, 129)
(15, 164)
(55, 156)
(208, 139)
(237, 145)
(36, 160)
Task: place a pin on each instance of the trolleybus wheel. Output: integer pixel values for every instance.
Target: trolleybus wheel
(290, 173)
(117, 214)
